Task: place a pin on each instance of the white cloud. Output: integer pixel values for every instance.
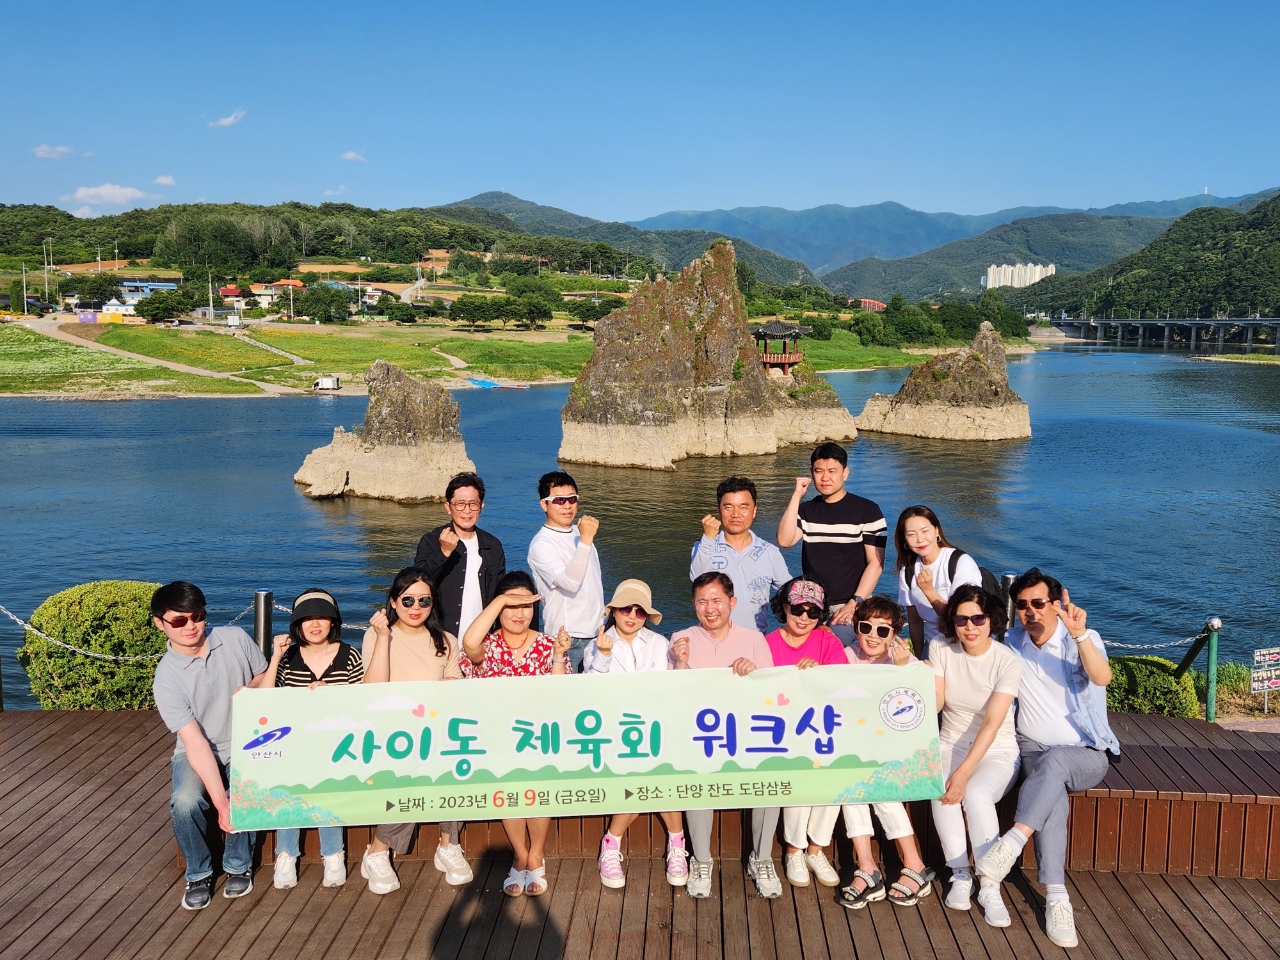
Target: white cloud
(392, 701)
(46, 152)
(343, 724)
(109, 194)
(83, 212)
(229, 121)
(352, 155)
(341, 189)
(848, 693)
(164, 180)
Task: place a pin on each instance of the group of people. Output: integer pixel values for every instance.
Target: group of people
(1032, 699)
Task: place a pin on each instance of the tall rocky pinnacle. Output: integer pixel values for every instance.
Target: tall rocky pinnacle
(407, 450)
(959, 395)
(675, 374)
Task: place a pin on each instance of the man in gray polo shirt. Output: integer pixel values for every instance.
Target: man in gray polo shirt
(194, 683)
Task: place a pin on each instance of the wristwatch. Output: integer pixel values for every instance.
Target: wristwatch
(857, 599)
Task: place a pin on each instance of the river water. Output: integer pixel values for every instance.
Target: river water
(1149, 488)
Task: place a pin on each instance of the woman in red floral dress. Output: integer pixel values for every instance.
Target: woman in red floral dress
(516, 650)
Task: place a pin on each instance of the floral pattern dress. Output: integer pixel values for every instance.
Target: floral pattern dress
(498, 661)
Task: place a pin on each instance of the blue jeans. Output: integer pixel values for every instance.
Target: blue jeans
(189, 809)
(330, 841)
(577, 650)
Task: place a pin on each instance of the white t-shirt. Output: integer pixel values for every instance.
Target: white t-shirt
(569, 584)
(1044, 711)
(968, 683)
(472, 600)
(966, 572)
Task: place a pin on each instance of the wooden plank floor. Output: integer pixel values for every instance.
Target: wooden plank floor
(87, 869)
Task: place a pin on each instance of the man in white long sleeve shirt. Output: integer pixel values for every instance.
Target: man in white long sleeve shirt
(566, 566)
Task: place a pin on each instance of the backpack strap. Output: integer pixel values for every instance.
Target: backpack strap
(956, 554)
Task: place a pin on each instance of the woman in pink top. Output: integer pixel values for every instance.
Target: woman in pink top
(803, 642)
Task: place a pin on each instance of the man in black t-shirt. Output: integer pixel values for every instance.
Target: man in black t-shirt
(844, 536)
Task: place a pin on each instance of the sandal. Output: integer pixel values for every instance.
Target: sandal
(903, 895)
(535, 884)
(856, 899)
(514, 885)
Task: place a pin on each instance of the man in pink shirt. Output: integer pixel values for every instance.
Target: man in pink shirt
(717, 641)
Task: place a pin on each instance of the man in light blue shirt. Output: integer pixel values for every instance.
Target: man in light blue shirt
(729, 546)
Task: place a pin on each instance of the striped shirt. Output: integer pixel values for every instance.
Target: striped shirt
(347, 667)
(835, 539)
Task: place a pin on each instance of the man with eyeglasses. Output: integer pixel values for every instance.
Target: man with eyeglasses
(566, 566)
(730, 546)
(193, 686)
(1063, 735)
(464, 561)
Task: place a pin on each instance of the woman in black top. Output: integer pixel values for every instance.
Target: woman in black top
(312, 655)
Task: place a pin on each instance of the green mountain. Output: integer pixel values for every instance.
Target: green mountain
(1211, 260)
(672, 249)
(829, 236)
(1075, 242)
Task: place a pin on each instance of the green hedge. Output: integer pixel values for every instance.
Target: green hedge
(111, 617)
(1147, 685)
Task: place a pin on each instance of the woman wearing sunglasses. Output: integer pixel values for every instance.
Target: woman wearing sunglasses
(515, 649)
(877, 623)
(406, 641)
(929, 569)
(803, 642)
(977, 680)
(627, 645)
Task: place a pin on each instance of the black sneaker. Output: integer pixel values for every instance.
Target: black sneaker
(198, 895)
(238, 884)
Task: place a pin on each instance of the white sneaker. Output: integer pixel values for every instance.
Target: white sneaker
(452, 862)
(822, 869)
(996, 863)
(958, 895)
(376, 868)
(699, 884)
(335, 869)
(993, 909)
(1060, 923)
(767, 883)
(796, 869)
(286, 874)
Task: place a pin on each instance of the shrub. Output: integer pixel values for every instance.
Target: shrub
(1147, 685)
(111, 617)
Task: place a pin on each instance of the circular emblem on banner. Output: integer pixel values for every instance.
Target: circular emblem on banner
(902, 709)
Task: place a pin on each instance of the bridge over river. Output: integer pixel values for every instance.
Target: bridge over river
(1195, 333)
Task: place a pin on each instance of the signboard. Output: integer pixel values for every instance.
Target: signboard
(587, 744)
(1266, 670)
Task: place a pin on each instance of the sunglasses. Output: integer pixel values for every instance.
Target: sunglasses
(635, 610)
(805, 610)
(408, 601)
(561, 501)
(978, 620)
(177, 623)
(1039, 603)
(883, 631)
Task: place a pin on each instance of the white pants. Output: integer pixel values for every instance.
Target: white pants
(893, 817)
(803, 825)
(990, 781)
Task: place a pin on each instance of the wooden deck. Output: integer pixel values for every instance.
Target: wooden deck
(88, 869)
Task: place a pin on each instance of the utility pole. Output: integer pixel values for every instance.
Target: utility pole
(24, 289)
(210, 296)
(291, 303)
(117, 249)
(99, 258)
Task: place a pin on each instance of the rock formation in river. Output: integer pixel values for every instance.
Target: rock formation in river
(963, 395)
(674, 374)
(408, 449)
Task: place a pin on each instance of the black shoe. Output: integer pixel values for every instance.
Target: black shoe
(238, 884)
(198, 895)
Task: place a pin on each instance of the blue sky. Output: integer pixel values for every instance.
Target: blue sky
(623, 111)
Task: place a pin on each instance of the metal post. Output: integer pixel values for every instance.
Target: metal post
(1213, 625)
(1006, 581)
(262, 605)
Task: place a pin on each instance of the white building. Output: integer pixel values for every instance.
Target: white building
(1018, 275)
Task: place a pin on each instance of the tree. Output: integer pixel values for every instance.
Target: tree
(746, 277)
(163, 305)
(99, 287)
(589, 312)
(401, 312)
(15, 296)
(460, 261)
(324, 302)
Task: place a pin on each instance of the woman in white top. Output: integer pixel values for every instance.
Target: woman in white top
(626, 645)
(925, 579)
(977, 680)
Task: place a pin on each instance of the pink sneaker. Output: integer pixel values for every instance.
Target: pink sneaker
(611, 874)
(677, 864)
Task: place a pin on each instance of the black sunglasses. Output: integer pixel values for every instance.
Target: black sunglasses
(177, 623)
(978, 620)
(805, 610)
(1039, 603)
(408, 601)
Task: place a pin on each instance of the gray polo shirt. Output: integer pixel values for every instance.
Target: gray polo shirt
(200, 688)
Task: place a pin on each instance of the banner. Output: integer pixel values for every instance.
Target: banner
(585, 744)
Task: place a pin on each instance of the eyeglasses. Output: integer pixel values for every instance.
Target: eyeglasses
(883, 631)
(177, 623)
(634, 610)
(978, 620)
(407, 602)
(465, 506)
(561, 501)
(1039, 603)
(805, 610)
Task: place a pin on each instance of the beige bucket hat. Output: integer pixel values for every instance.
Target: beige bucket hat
(635, 591)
